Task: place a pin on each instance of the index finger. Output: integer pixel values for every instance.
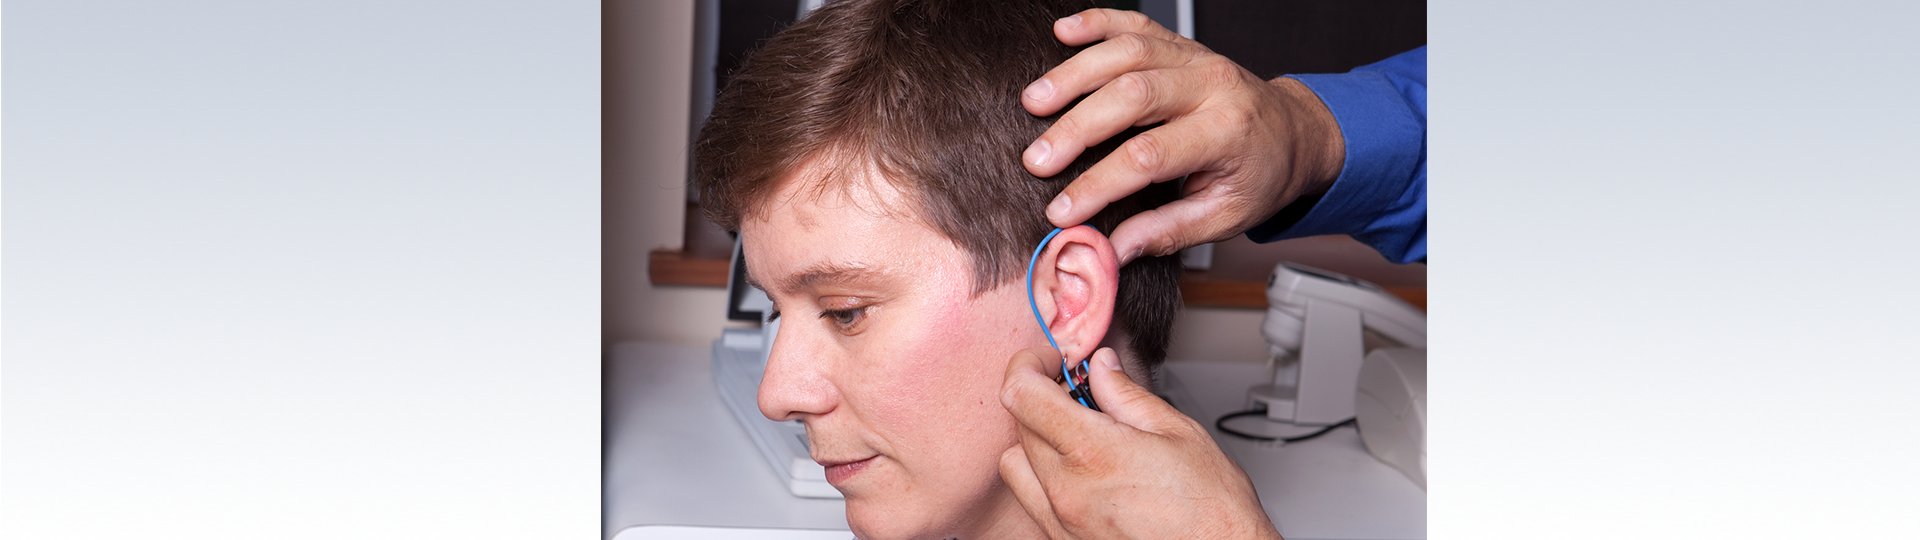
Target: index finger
(1131, 42)
(1101, 23)
(1161, 154)
(1037, 402)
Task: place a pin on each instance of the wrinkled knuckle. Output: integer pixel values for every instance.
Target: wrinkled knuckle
(1072, 511)
(1235, 119)
(1135, 89)
(1145, 153)
(1067, 127)
(1171, 428)
(1190, 428)
(1195, 48)
(1220, 71)
(1186, 50)
(1088, 464)
(1166, 241)
(1134, 48)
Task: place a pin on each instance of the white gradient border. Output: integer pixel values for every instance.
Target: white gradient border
(331, 269)
(281, 269)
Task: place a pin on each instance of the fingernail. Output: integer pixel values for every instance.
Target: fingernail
(1039, 90)
(1109, 361)
(1057, 210)
(1038, 153)
(1070, 22)
(1131, 255)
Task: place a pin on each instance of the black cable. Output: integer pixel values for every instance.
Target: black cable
(1221, 425)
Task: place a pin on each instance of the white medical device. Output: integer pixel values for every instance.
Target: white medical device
(1390, 407)
(1320, 327)
(1319, 319)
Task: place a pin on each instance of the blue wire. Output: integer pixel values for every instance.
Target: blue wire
(1031, 262)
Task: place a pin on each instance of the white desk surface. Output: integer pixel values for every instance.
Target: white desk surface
(674, 456)
(1325, 488)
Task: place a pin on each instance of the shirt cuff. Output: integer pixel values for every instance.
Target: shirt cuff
(1385, 144)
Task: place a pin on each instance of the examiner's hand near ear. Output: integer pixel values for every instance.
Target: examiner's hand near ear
(1141, 470)
(1250, 146)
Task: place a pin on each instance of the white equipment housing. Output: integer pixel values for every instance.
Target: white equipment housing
(1321, 318)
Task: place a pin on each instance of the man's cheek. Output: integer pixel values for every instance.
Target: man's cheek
(929, 373)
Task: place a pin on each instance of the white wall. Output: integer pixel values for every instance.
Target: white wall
(647, 80)
(295, 269)
(1216, 335)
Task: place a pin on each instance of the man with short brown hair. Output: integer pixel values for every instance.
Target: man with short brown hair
(869, 158)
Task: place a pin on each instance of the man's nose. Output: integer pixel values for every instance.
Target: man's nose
(796, 385)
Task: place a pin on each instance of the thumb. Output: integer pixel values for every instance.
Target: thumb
(1125, 400)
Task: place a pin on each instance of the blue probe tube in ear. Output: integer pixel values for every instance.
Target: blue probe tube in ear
(1079, 392)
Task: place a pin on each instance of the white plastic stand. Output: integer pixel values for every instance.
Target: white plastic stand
(1318, 320)
(1329, 358)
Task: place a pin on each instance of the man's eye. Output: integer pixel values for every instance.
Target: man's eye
(846, 318)
(774, 316)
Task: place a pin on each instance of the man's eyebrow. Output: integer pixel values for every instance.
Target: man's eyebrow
(824, 273)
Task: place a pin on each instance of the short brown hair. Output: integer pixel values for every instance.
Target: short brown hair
(926, 92)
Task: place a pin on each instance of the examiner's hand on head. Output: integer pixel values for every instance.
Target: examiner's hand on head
(1248, 146)
(1140, 470)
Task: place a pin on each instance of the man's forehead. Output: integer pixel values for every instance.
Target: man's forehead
(827, 187)
(829, 258)
(807, 239)
(834, 222)
(823, 274)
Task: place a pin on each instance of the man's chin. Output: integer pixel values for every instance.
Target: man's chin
(872, 519)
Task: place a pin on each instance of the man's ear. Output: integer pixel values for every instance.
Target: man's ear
(1075, 284)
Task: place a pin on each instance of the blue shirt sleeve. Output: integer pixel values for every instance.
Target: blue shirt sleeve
(1380, 197)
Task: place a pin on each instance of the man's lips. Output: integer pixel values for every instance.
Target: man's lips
(838, 471)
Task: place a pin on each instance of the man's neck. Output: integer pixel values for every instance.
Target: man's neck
(1004, 518)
